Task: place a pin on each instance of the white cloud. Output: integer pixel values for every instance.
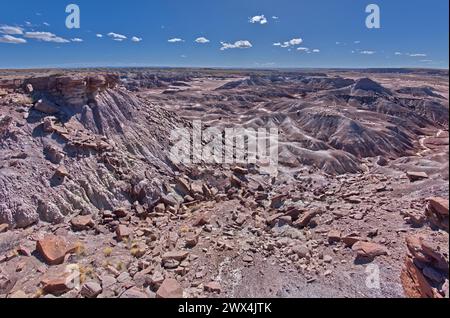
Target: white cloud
(398, 53)
(293, 42)
(357, 42)
(316, 51)
(261, 19)
(46, 24)
(11, 39)
(367, 52)
(303, 49)
(416, 54)
(202, 40)
(175, 40)
(99, 35)
(117, 37)
(243, 44)
(275, 17)
(46, 37)
(136, 39)
(76, 40)
(7, 29)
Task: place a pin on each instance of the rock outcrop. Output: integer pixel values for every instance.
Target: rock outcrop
(425, 273)
(91, 145)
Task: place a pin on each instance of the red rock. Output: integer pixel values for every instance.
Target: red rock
(134, 293)
(123, 232)
(121, 212)
(91, 290)
(278, 201)
(213, 287)
(414, 282)
(54, 249)
(175, 255)
(271, 220)
(201, 220)
(414, 176)
(170, 288)
(351, 240)
(369, 250)
(82, 222)
(306, 218)
(61, 172)
(334, 236)
(56, 286)
(191, 240)
(440, 205)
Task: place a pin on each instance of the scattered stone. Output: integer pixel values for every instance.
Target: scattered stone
(369, 250)
(157, 279)
(278, 201)
(213, 287)
(61, 172)
(272, 220)
(416, 176)
(91, 290)
(201, 220)
(334, 236)
(302, 251)
(82, 223)
(437, 213)
(440, 205)
(54, 249)
(327, 258)
(121, 213)
(57, 286)
(350, 240)
(123, 232)
(160, 208)
(305, 219)
(175, 255)
(191, 240)
(134, 293)
(170, 288)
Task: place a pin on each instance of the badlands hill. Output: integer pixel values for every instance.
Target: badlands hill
(87, 180)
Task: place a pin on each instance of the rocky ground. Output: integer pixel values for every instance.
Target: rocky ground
(92, 206)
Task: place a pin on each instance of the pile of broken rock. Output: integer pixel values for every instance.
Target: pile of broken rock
(426, 269)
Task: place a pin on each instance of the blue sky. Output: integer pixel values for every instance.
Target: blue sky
(413, 33)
